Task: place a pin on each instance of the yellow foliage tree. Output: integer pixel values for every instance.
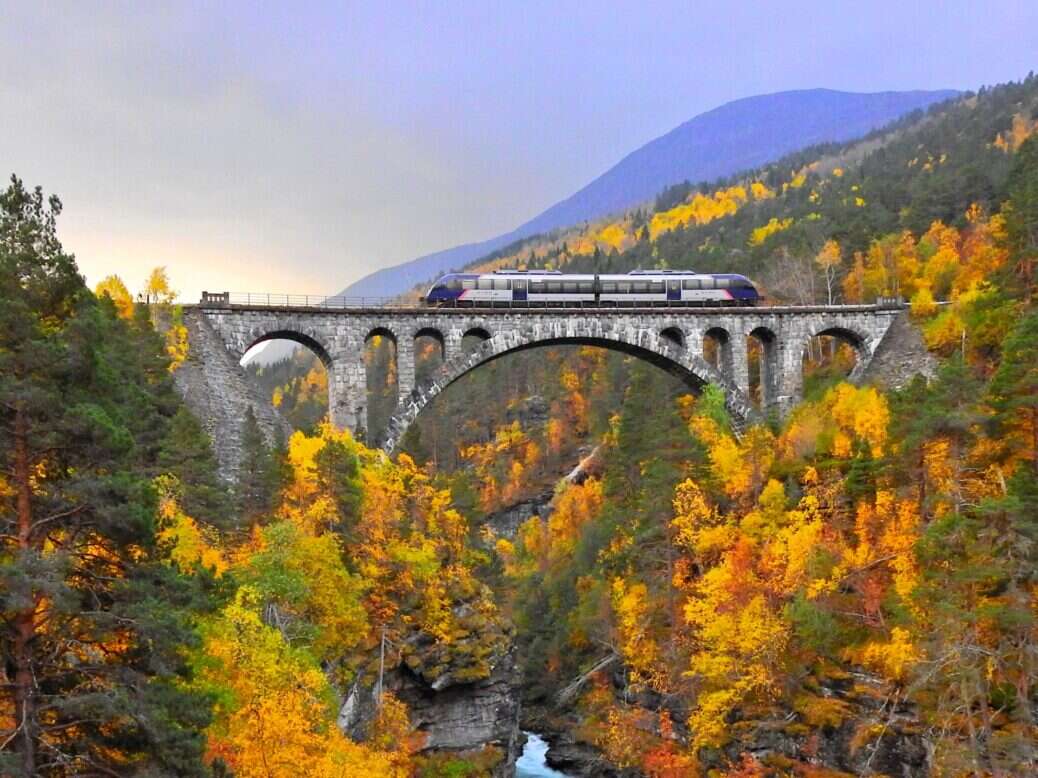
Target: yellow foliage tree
(828, 259)
(275, 714)
(114, 287)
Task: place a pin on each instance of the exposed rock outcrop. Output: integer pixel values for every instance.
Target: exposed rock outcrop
(531, 412)
(457, 717)
(506, 522)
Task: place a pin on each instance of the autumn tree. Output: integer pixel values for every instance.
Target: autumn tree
(157, 288)
(828, 259)
(114, 287)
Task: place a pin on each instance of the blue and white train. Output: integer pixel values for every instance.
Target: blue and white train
(552, 287)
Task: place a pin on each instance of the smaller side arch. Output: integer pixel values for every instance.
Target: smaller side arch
(769, 364)
(433, 334)
(854, 339)
(474, 338)
(720, 341)
(674, 334)
(382, 332)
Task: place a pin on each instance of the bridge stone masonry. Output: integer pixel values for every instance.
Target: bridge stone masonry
(672, 338)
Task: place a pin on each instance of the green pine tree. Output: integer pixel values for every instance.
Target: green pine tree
(1022, 213)
(1014, 387)
(257, 478)
(186, 453)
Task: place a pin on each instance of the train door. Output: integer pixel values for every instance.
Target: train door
(673, 290)
(519, 290)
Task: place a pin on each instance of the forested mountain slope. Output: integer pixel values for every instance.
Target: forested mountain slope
(770, 223)
(736, 136)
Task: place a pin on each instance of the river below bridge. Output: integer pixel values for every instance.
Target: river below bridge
(531, 763)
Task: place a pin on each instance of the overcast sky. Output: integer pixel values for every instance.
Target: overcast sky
(260, 147)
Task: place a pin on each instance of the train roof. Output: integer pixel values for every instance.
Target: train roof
(524, 272)
(609, 276)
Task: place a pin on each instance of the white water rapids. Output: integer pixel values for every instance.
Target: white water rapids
(531, 763)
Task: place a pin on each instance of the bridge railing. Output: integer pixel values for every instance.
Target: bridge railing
(273, 300)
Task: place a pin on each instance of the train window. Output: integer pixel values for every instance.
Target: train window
(690, 283)
(708, 282)
(502, 284)
(554, 286)
(585, 287)
(484, 283)
(624, 287)
(657, 286)
(537, 287)
(454, 283)
(570, 287)
(640, 286)
(608, 287)
(723, 283)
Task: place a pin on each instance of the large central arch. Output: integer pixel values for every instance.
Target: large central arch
(660, 349)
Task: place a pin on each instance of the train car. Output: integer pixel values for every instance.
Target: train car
(543, 288)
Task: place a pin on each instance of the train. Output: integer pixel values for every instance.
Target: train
(545, 288)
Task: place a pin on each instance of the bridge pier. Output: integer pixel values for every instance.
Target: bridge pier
(348, 390)
(740, 359)
(789, 381)
(404, 367)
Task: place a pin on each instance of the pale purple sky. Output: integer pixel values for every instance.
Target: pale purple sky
(262, 147)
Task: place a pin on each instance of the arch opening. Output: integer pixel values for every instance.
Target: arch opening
(546, 388)
(291, 370)
(381, 380)
(762, 361)
(830, 356)
(430, 350)
(717, 350)
(473, 338)
(455, 369)
(381, 332)
(674, 335)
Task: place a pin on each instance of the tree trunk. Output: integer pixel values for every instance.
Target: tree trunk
(24, 626)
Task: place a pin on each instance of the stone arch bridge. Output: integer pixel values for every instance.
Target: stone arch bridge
(672, 338)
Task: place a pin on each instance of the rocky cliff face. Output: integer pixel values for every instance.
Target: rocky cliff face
(455, 717)
(506, 522)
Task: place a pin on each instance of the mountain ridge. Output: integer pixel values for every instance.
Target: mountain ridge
(738, 135)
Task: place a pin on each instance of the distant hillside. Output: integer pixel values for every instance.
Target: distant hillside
(737, 136)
